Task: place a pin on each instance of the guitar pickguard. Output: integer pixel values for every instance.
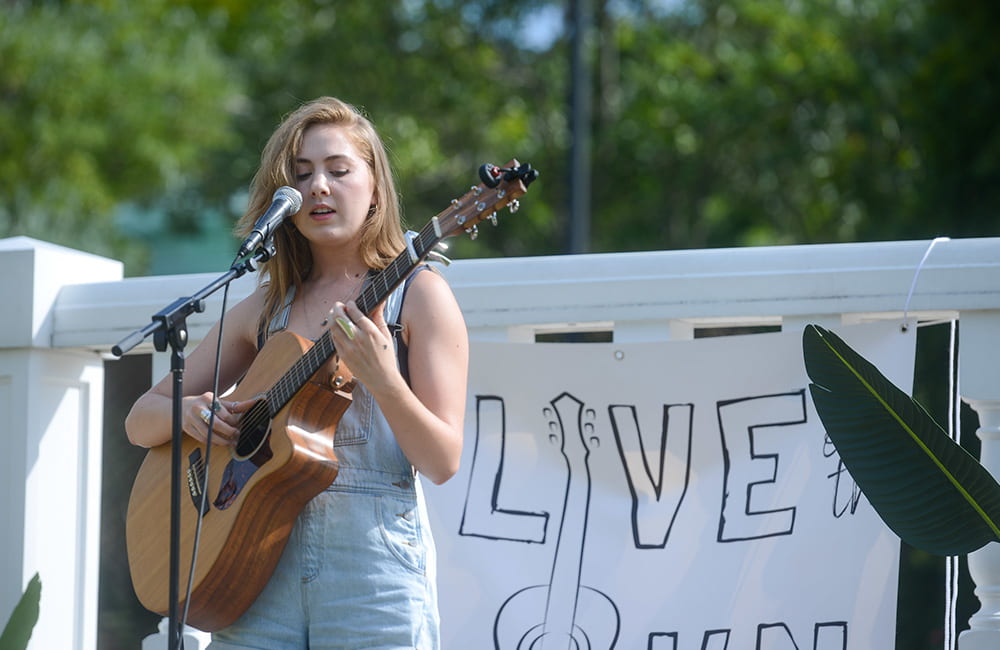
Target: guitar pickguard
(238, 473)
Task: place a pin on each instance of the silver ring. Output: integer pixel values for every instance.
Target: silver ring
(205, 415)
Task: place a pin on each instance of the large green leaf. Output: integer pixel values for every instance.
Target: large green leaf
(925, 487)
(22, 621)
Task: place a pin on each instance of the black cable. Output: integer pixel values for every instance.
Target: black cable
(205, 466)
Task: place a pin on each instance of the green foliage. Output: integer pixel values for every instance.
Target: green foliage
(763, 122)
(715, 122)
(102, 103)
(445, 88)
(952, 113)
(17, 632)
(925, 487)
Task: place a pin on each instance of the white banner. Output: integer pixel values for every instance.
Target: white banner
(661, 496)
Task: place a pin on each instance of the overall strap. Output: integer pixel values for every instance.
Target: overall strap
(392, 311)
(279, 321)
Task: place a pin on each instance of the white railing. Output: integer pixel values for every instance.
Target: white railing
(60, 323)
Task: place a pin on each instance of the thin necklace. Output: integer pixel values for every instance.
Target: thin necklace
(318, 297)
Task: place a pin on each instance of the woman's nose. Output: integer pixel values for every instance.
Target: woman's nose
(318, 185)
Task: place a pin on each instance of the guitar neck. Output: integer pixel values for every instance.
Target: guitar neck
(383, 283)
(375, 292)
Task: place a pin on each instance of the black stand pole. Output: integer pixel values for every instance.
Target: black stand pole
(169, 327)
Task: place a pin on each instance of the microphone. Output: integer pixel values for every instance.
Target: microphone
(286, 202)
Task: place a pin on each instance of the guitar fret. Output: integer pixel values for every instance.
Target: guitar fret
(304, 368)
(366, 301)
(420, 244)
(428, 238)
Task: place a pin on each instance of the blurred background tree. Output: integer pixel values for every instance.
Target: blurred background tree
(104, 105)
(131, 129)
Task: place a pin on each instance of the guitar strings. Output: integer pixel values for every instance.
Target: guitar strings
(304, 367)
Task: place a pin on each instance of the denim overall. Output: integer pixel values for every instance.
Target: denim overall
(358, 570)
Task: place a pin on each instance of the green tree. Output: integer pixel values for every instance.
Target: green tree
(754, 122)
(443, 81)
(103, 103)
(953, 98)
(716, 123)
(744, 122)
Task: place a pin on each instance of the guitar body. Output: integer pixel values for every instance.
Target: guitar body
(251, 504)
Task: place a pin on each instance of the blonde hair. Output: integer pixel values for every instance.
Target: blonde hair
(381, 235)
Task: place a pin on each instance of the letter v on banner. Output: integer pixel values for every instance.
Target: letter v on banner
(657, 479)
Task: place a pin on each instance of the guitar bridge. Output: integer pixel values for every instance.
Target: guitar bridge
(196, 481)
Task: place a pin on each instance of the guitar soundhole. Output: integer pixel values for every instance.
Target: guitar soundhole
(254, 429)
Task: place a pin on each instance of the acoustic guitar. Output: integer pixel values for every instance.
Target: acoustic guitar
(284, 455)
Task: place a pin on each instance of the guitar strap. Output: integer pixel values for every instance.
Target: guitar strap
(279, 321)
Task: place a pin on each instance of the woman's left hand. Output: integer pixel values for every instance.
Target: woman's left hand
(364, 343)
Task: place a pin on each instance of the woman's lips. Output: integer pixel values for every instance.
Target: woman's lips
(322, 212)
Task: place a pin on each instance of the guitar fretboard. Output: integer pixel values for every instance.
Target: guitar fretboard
(377, 290)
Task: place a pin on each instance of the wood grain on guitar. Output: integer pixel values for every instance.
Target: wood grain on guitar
(285, 453)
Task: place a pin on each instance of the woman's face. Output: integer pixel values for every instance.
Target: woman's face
(337, 187)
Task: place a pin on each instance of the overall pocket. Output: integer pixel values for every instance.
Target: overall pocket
(399, 523)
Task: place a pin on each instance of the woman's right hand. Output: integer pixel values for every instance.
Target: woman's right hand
(225, 425)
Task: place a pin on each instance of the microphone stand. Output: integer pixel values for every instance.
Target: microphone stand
(169, 327)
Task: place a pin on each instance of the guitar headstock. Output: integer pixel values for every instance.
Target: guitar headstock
(500, 188)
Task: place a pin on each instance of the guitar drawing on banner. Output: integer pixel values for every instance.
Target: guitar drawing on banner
(564, 614)
(248, 501)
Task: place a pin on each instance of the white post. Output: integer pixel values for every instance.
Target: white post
(192, 639)
(51, 403)
(980, 386)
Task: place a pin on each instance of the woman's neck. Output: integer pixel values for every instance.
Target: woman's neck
(332, 267)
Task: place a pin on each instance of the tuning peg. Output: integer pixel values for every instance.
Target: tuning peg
(441, 245)
(514, 206)
(473, 232)
(493, 218)
(490, 175)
